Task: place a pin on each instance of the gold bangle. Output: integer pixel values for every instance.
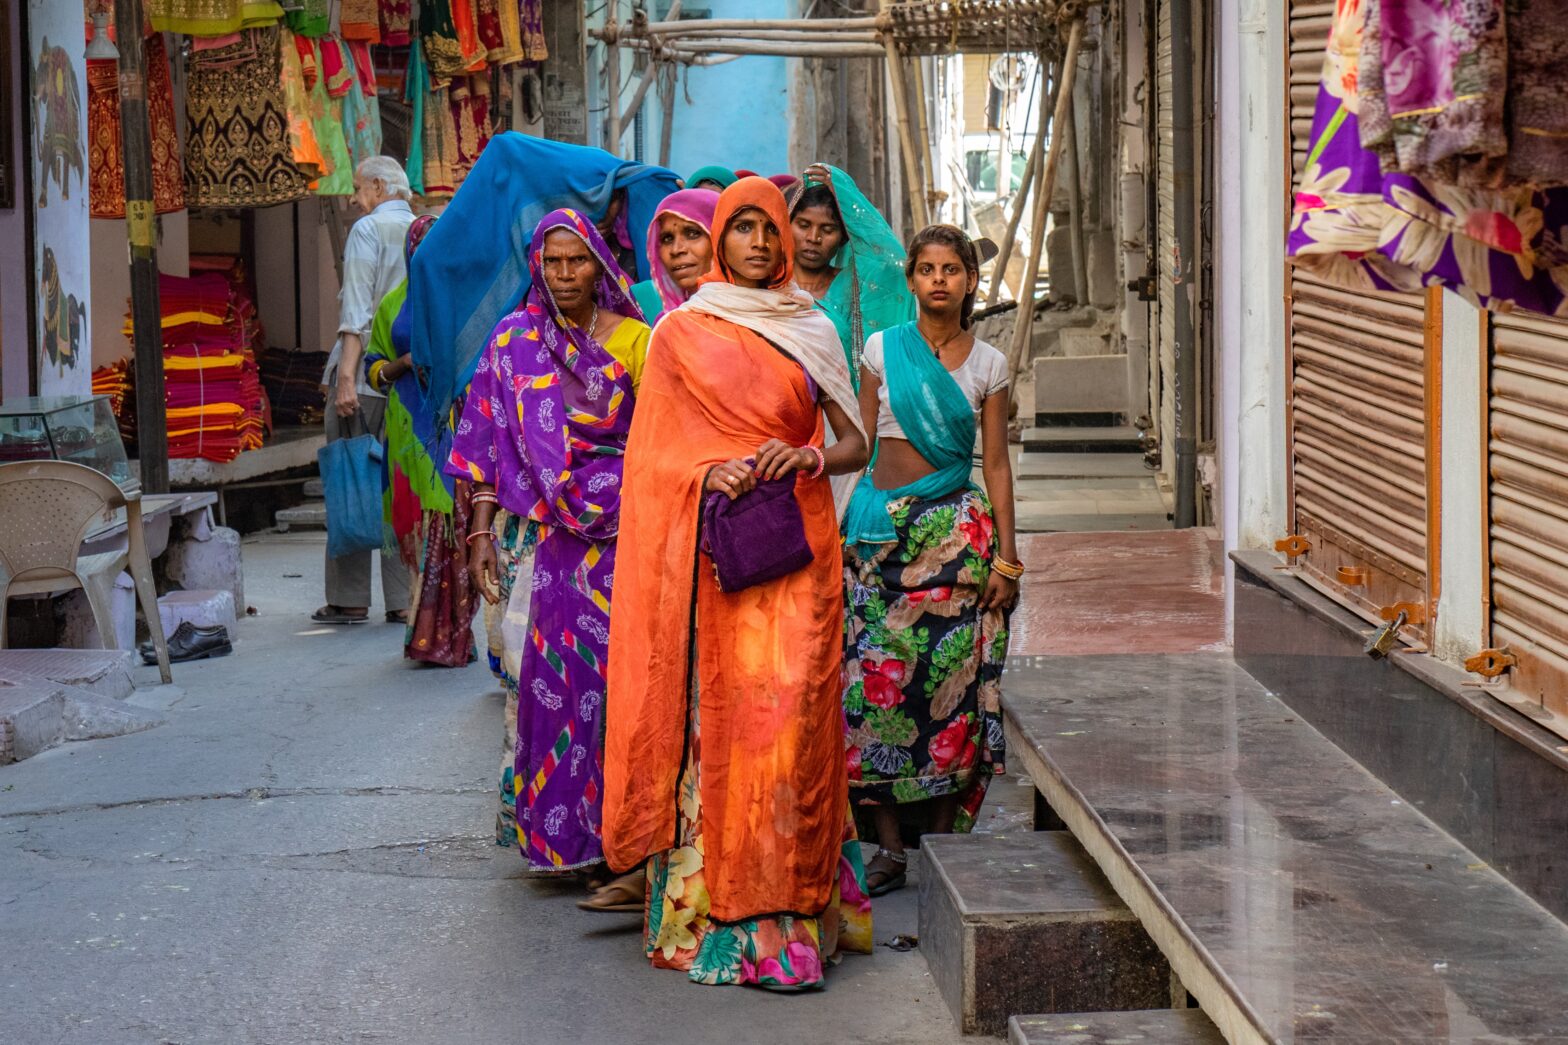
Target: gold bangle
(375, 374)
(1011, 570)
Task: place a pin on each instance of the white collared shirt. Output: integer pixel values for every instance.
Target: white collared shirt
(372, 266)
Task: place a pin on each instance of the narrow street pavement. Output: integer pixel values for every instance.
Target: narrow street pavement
(305, 853)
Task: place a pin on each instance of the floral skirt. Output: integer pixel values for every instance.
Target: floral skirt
(441, 604)
(784, 952)
(505, 626)
(922, 664)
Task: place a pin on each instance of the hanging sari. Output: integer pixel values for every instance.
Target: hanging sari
(106, 190)
(724, 745)
(545, 423)
(923, 664)
(662, 294)
(870, 292)
(1360, 228)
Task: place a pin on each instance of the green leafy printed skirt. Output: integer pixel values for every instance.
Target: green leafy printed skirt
(923, 666)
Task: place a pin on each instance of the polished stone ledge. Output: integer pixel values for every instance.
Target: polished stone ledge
(1296, 896)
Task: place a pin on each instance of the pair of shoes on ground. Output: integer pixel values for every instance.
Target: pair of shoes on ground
(191, 642)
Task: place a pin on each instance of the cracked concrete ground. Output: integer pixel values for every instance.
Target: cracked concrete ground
(305, 853)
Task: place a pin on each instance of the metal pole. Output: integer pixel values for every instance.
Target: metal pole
(1024, 324)
(1074, 174)
(667, 127)
(1186, 347)
(612, 65)
(152, 433)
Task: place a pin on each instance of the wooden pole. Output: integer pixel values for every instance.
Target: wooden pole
(1042, 203)
(780, 48)
(700, 31)
(666, 129)
(612, 65)
(152, 431)
(928, 184)
(1031, 171)
(747, 24)
(648, 76)
(912, 183)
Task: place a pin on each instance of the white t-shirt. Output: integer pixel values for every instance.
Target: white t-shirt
(983, 374)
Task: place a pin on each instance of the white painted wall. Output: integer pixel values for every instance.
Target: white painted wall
(1461, 613)
(1250, 263)
(111, 286)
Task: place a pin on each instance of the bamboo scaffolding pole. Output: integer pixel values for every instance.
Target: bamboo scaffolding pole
(1027, 182)
(670, 26)
(666, 128)
(780, 48)
(612, 120)
(922, 128)
(895, 71)
(800, 35)
(1024, 324)
(648, 76)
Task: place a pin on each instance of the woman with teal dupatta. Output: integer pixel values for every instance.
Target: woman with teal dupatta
(847, 258)
(931, 564)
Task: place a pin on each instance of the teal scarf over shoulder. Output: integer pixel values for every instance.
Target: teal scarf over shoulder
(937, 420)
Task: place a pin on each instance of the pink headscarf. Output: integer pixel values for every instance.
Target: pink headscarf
(695, 205)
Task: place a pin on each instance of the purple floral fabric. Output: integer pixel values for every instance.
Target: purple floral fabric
(1360, 228)
(545, 423)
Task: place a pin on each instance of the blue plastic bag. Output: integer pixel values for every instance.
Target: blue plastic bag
(351, 485)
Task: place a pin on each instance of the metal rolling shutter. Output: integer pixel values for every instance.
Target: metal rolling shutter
(1528, 526)
(1358, 468)
(1163, 390)
(1358, 481)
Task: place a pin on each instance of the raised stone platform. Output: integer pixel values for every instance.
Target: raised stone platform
(1024, 922)
(104, 673)
(1296, 896)
(1150, 1027)
(55, 695)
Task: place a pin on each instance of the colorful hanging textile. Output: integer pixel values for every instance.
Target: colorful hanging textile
(451, 38)
(237, 142)
(303, 146)
(360, 20)
(1441, 113)
(416, 93)
(361, 108)
(396, 17)
(211, 17)
(534, 47)
(439, 143)
(336, 66)
(104, 162)
(471, 117)
(311, 18)
(1359, 228)
(487, 19)
(338, 178)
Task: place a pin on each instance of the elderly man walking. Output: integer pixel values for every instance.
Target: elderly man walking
(372, 265)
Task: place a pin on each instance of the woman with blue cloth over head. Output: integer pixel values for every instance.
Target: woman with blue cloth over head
(931, 563)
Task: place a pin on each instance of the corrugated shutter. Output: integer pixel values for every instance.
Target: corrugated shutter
(1163, 390)
(1358, 470)
(1528, 465)
(1358, 479)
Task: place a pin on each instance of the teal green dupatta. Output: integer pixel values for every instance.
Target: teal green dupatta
(937, 420)
(870, 292)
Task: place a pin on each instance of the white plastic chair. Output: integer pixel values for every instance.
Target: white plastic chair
(46, 511)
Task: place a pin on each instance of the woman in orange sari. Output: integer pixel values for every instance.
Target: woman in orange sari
(725, 750)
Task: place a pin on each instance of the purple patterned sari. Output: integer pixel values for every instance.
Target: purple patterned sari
(545, 423)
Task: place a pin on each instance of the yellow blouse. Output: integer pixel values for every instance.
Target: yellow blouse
(629, 345)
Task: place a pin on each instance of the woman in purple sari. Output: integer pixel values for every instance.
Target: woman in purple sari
(542, 436)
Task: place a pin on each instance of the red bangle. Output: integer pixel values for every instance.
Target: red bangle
(482, 533)
(822, 461)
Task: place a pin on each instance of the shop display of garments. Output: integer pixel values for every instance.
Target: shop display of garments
(396, 18)
(310, 18)
(104, 161)
(211, 17)
(303, 146)
(361, 116)
(534, 47)
(451, 38)
(471, 119)
(439, 141)
(338, 177)
(1360, 228)
(237, 148)
(360, 20)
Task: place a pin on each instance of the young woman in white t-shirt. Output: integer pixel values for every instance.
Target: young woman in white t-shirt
(931, 564)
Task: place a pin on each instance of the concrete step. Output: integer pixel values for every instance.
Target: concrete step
(1077, 439)
(37, 713)
(102, 672)
(313, 488)
(312, 515)
(1149, 1027)
(1023, 922)
(1080, 466)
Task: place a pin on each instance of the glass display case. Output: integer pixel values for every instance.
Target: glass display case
(66, 428)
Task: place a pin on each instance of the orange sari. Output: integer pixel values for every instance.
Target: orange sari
(767, 659)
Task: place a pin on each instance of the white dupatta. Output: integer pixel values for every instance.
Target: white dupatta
(790, 320)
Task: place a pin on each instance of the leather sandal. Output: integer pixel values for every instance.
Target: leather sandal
(624, 895)
(330, 614)
(888, 881)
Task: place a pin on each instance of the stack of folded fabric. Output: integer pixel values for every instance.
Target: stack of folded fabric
(216, 405)
(114, 381)
(293, 383)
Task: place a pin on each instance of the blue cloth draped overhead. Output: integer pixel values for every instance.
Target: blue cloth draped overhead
(472, 269)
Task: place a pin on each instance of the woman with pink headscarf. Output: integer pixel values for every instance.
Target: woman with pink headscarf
(680, 250)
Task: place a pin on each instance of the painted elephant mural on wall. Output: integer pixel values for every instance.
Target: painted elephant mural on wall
(63, 320)
(59, 122)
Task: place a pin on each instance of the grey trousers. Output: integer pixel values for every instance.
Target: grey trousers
(348, 577)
